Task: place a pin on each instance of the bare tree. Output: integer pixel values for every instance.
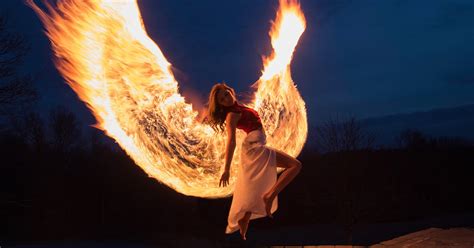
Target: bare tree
(66, 132)
(14, 88)
(36, 135)
(411, 139)
(336, 135)
(328, 136)
(455, 142)
(29, 127)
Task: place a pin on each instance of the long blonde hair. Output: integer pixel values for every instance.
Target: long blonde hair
(216, 113)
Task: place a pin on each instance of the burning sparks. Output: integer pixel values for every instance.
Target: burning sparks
(107, 58)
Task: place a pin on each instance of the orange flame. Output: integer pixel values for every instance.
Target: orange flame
(107, 58)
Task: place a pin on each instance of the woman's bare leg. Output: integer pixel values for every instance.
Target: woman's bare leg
(293, 167)
(244, 224)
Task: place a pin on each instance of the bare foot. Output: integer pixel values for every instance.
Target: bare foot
(268, 200)
(243, 224)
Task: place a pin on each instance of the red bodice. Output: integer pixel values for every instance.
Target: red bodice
(249, 120)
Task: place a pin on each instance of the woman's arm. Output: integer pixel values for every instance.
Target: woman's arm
(231, 125)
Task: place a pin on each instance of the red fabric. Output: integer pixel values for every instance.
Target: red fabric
(249, 120)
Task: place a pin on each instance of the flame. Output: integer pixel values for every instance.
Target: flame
(105, 55)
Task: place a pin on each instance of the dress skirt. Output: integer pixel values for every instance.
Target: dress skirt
(256, 175)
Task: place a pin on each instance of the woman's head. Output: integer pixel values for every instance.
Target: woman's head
(221, 96)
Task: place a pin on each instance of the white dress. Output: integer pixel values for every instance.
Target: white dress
(257, 174)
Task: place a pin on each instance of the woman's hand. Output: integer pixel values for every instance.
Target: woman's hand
(224, 178)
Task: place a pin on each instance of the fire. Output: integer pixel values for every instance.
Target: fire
(105, 55)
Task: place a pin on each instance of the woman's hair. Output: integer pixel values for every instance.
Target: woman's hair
(216, 113)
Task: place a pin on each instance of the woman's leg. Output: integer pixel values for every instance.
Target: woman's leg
(243, 224)
(293, 167)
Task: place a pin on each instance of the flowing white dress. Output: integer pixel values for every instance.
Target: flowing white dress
(257, 174)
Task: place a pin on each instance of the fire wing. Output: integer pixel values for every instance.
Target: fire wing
(105, 55)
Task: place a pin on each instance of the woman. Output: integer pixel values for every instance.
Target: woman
(257, 187)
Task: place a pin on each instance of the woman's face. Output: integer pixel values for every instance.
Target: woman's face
(225, 98)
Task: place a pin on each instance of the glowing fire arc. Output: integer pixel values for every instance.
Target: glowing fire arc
(105, 55)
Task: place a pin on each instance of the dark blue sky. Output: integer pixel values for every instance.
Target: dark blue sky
(366, 57)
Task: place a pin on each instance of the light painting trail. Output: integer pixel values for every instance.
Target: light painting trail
(105, 55)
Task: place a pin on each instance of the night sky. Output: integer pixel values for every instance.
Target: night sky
(366, 57)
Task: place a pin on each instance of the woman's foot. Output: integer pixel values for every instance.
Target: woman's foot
(244, 224)
(268, 200)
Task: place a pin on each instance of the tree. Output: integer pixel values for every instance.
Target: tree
(337, 135)
(414, 139)
(66, 132)
(36, 135)
(411, 139)
(30, 128)
(453, 143)
(14, 88)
